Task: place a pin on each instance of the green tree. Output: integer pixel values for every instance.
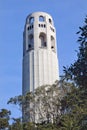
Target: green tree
(74, 104)
(74, 110)
(78, 70)
(4, 118)
(16, 125)
(29, 126)
(44, 103)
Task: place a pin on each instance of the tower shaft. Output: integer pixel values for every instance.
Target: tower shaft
(40, 63)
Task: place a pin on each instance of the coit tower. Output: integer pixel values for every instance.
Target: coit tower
(40, 63)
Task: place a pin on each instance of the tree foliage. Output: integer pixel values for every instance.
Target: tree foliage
(4, 118)
(74, 104)
(42, 106)
(78, 70)
(16, 124)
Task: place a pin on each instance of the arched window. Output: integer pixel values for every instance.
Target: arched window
(52, 43)
(42, 38)
(31, 38)
(30, 41)
(41, 18)
(31, 20)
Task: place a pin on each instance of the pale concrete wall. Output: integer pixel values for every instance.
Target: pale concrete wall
(39, 68)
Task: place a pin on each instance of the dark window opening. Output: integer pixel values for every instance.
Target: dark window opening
(32, 26)
(44, 25)
(53, 43)
(31, 38)
(52, 29)
(52, 47)
(41, 25)
(50, 21)
(28, 28)
(30, 41)
(29, 45)
(45, 44)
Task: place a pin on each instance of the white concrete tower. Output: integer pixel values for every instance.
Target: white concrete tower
(40, 63)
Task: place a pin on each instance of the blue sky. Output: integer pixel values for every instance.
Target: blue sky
(68, 16)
